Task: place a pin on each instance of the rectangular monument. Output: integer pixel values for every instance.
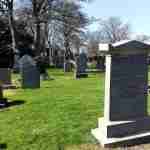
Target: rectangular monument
(125, 111)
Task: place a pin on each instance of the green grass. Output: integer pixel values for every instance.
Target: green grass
(59, 114)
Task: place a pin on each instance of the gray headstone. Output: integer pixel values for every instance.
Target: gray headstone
(81, 62)
(128, 87)
(5, 75)
(100, 63)
(29, 72)
(125, 112)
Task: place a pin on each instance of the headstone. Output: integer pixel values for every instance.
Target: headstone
(59, 61)
(5, 75)
(125, 111)
(81, 65)
(100, 63)
(29, 72)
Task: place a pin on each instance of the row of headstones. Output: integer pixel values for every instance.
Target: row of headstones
(30, 75)
(30, 72)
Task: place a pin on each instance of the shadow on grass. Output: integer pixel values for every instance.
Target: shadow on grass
(4, 103)
(3, 146)
(15, 103)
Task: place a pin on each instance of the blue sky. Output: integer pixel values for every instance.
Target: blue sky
(135, 12)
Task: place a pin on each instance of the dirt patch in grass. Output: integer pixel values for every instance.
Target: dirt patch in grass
(98, 147)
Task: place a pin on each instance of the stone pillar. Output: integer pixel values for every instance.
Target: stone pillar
(107, 88)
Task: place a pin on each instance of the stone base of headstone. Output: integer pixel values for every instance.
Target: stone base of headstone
(113, 132)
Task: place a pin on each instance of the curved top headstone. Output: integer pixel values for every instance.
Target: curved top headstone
(27, 61)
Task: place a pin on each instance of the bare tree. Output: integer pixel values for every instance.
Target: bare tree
(8, 6)
(113, 30)
(93, 39)
(41, 13)
(72, 21)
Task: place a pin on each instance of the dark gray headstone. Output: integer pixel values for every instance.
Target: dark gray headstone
(5, 75)
(100, 63)
(126, 117)
(81, 62)
(128, 87)
(59, 61)
(29, 72)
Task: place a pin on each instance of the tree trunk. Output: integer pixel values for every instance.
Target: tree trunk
(51, 60)
(37, 39)
(12, 26)
(67, 64)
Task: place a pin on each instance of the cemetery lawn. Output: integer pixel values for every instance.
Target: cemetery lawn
(59, 116)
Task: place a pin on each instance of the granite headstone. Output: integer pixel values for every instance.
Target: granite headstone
(81, 65)
(100, 63)
(29, 72)
(125, 107)
(5, 75)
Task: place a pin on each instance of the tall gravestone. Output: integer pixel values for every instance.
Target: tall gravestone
(81, 65)
(29, 72)
(125, 110)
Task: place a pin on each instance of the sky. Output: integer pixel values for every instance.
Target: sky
(134, 12)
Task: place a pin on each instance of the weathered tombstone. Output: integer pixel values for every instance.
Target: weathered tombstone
(100, 63)
(81, 66)
(5, 75)
(29, 72)
(59, 61)
(125, 112)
